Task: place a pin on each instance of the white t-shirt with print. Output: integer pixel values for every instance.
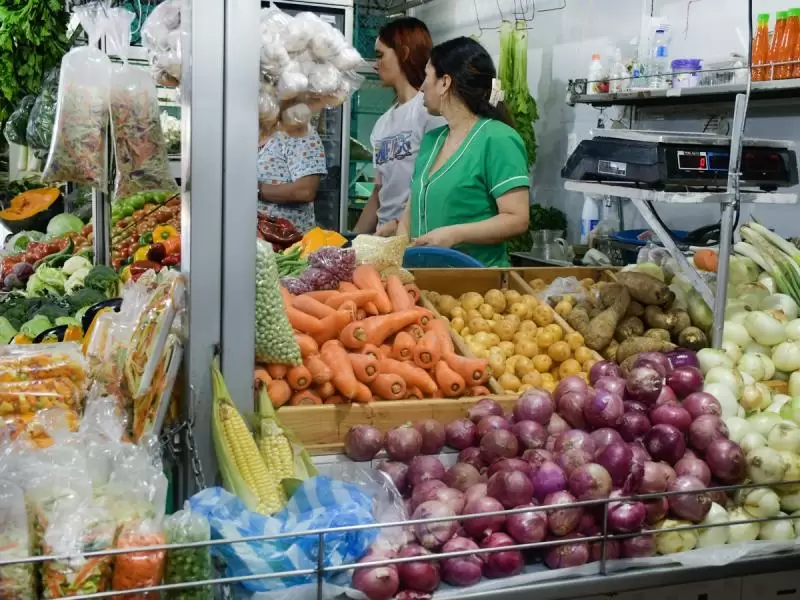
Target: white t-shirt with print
(395, 143)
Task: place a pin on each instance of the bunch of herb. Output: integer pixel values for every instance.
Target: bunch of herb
(39, 130)
(33, 38)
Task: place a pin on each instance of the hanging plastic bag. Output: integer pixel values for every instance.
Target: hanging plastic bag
(141, 153)
(162, 37)
(296, 119)
(275, 341)
(17, 123)
(39, 130)
(139, 569)
(268, 107)
(18, 582)
(185, 565)
(78, 151)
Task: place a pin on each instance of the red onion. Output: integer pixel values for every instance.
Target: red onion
(727, 460)
(570, 384)
(363, 442)
(433, 435)
(424, 468)
(562, 521)
(691, 465)
(704, 430)
(511, 488)
(412, 595)
(656, 360)
(551, 443)
(572, 459)
(420, 576)
(644, 384)
(603, 437)
(509, 416)
(685, 381)
(548, 479)
(461, 476)
(625, 516)
(640, 455)
(497, 444)
(636, 474)
(403, 443)
(604, 368)
(690, 506)
(534, 405)
(671, 414)
(633, 426)
(531, 435)
(479, 490)
(510, 464)
(640, 546)
(484, 408)
(636, 407)
(472, 456)
(424, 492)
(665, 442)
(462, 570)
(666, 396)
(570, 406)
(453, 498)
(481, 527)
(574, 439)
(504, 563)
(657, 478)
(491, 423)
(656, 510)
(557, 425)
(572, 554)
(596, 550)
(434, 535)
(527, 527)
(376, 583)
(397, 472)
(701, 403)
(615, 385)
(604, 409)
(682, 357)
(617, 459)
(460, 434)
(590, 482)
(535, 458)
(588, 525)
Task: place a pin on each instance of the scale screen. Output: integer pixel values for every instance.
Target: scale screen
(703, 161)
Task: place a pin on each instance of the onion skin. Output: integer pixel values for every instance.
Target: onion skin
(665, 442)
(403, 443)
(685, 381)
(511, 488)
(573, 554)
(398, 473)
(363, 442)
(656, 360)
(695, 467)
(640, 455)
(547, 480)
(625, 516)
(571, 407)
(590, 482)
(633, 426)
(683, 357)
(640, 546)
(424, 492)
(604, 409)
(434, 535)
(570, 384)
(656, 510)
(702, 403)
(603, 437)
(536, 458)
(527, 527)
(462, 476)
(433, 435)
(671, 414)
(501, 564)
(572, 459)
(472, 456)
(705, 429)
(596, 550)
(617, 459)
(615, 385)
(498, 444)
(574, 439)
(377, 583)
(644, 384)
(422, 576)
(484, 408)
(562, 521)
(531, 435)
(424, 468)
(657, 478)
(479, 490)
(636, 407)
(666, 396)
(726, 460)
(510, 464)
(604, 368)
(690, 506)
(460, 434)
(557, 425)
(464, 570)
(482, 527)
(452, 497)
(491, 423)
(536, 406)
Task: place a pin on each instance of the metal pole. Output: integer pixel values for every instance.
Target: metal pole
(604, 543)
(320, 565)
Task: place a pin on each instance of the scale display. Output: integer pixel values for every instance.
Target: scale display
(703, 161)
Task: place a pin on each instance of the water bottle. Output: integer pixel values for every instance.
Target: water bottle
(658, 69)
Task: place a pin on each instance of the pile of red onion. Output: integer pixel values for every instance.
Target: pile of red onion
(652, 432)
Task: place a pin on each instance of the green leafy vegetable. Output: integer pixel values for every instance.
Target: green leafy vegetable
(7, 330)
(75, 264)
(35, 326)
(68, 321)
(84, 298)
(46, 280)
(17, 123)
(103, 279)
(19, 242)
(75, 281)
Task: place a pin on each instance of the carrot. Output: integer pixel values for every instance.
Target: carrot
(261, 376)
(336, 399)
(299, 377)
(706, 260)
(348, 286)
(364, 394)
(360, 297)
(479, 390)
(307, 344)
(414, 393)
(375, 330)
(304, 398)
(361, 314)
(367, 277)
(303, 322)
(403, 346)
(350, 308)
(332, 325)
(279, 392)
(325, 390)
(277, 371)
(473, 370)
(321, 295)
(86, 571)
(425, 316)
(364, 366)
(416, 331)
(428, 351)
(413, 293)
(389, 386)
(343, 377)
(371, 350)
(320, 373)
(452, 383)
(442, 332)
(287, 297)
(315, 308)
(371, 309)
(411, 374)
(386, 351)
(397, 294)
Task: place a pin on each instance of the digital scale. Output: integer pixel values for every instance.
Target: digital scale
(659, 160)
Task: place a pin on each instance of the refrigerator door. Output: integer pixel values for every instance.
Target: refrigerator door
(330, 207)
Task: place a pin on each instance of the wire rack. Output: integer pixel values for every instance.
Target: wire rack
(603, 536)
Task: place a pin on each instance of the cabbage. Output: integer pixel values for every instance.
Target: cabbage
(7, 331)
(19, 241)
(63, 224)
(75, 280)
(46, 280)
(35, 326)
(76, 263)
(69, 321)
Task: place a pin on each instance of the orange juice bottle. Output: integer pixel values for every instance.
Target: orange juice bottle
(794, 68)
(761, 49)
(787, 44)
(780, 25)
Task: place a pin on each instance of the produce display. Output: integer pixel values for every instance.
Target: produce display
(145, 233)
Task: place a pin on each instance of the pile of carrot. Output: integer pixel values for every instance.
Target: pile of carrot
(369, 340)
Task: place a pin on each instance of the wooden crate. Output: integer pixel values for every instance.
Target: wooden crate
(322, 429)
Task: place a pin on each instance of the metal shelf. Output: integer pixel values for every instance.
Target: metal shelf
(700, 197)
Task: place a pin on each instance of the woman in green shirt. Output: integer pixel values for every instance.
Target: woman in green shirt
(470, 188)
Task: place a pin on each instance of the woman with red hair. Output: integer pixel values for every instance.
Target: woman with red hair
(402, 50)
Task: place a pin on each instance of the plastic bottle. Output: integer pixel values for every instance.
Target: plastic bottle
(658, 69)
(780, 25)
(590, 216)
(618, 76)
(787, 43)
(794, 68)
(761, 49)
(597, 75)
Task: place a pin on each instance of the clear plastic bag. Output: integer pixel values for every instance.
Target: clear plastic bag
(562, 286)
(42, 361)
(275, 341)
(268, 107)
(384, 253)
(17, 124)
(139, 569)
(292, 82)
(17, 582)
(142, 163)
(78, 149)
(162, 37)
(323, 79)
(296, 119)
(185, 565)
(39, 130)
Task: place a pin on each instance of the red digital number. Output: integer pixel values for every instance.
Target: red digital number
(702, 162)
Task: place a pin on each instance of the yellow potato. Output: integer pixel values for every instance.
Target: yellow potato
(560, 351)
(558, 333)
(512, 296)
(582, 354)
(543, 315)
(587, 282)
(481, 352)
(544, 338)
(483, 338)
(497, 362)
(457, 324)
(549, 386)
(523, 366)
(445, 304)
(534, 378)
(509, 382)
(521, 336)
(527, 347)
(472, 313)
(542, 363)
(528, 325)
(496, 299)
(458, 313)
(587, 365)
(493, 340)
(471, 300)
(507, 348)
(465, 333)
(583, 375)
(574, 339)
(569, 367)
(478, 324)
(505, 330)
(525, 387)
(531, 301)
(547, 377)
(511, 363)
(486, 311)
(521, 310)
(497, 317)
(537, 284)
(475, 348)
(514, 320)
(563, 308)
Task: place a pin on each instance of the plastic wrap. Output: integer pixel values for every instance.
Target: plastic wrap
(17, 124)
(39, 130)
(268, 107)
(162, 37)
(296, 119)
(78, 149)
(275, 342)
(142, 163)
(139, 569)
(384, 253)
(185, 565)
(563, 286)
(17, 582)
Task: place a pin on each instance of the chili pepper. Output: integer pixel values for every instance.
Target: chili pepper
(146, 239)
(156, 253)
(164, 232)
(172, 245)
(171, 260)
(141, 254)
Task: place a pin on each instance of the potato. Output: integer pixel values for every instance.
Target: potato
(587, 282)
(544, 338)
(610, 352)
(578, 319)
(659, 334)
(636, 345)
(558, 333)
(471, 300)
(658, 319)
(484, 338)
(496, 300)
(472, 313)
(634, 310)
(457, 324)
(601, 328)
(445, 304)
(563, 308)
(505, 330)
(542, 363)
(587, 365)
(530, 301)
(549, 385)
(559, 351)
(458, 313)
(537, 284)
(547, 377)
(520, 309)
(486, 311)
(645, 288)
(526, 347)
(534, 379)
(509, 382)
(574, 339)
(693, 338)
(543, 315)
(508, 348)
(478, 324)
(497, 362)
(528, 326)
(569, 367)
(629, 327)
(523, 366)
(466, 333)
(512, 296)
(583, 354)
(682, 321)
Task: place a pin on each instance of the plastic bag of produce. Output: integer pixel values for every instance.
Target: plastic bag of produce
(268, 107)
(18, 582)
(141, 152)
(185, 565)
(163, 37)
(39, 130)
(17, 123)
(384, 253)
(275, 342)
(139, 569)
(42, 361)
(563, 286)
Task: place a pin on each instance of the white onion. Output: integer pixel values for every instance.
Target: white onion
(727, 399)
(739, 317)
(735, 333)
(759, 503)
(714, 536)
(786, 356)
(759, 366)
(778, 400)
(792, 330)
(792, 473)
(790, 411)
(709, 358)
(672, 542)
(764, 328)
(732, 350)
(755, 397)
(785, 436)
(751, 441)
(730, 378)
(744, 532)
(747, 378)
(777, 531)
(755, 348)
(737, 428)
(780, 302)
(768, 282)
(763, 422)
(765, 465)
(790, 502)
(794, 384)
(796, 522)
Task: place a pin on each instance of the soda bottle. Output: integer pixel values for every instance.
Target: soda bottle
(780, 25)
(761, 49)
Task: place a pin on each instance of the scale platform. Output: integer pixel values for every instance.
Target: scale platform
(679, 162)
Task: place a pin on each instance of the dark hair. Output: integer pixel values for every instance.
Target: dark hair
(471, 68)
(411, 41)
